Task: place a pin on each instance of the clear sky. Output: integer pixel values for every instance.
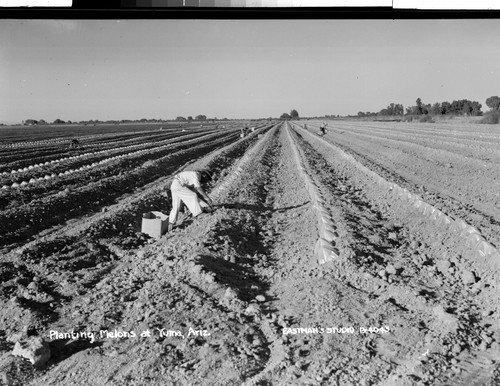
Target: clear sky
(132, 69)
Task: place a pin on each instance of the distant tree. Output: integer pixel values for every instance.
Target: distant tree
(466, 107)
(361, 114)
(201, 117)
(294, 114)
(190, 118)
(58, 121)
(476, 109)
(41, 122)
(180, 119)
(30, 122)
(445, 107)
(493, 102)
(392, 109)
(285, 116)
(419, 110)
(399, 109)
(435, 109)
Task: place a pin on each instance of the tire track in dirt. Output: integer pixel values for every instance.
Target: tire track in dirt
(434, 298)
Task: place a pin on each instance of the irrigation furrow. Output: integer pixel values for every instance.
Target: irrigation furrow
(383, 243)
(426, 150)
(121, 219)
(473, 203)
(90, 173)
(480, 137)
(17, 167)
(87, 260)
(19, 224)
(239, 294)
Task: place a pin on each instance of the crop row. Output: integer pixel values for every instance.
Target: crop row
(81, 262)
(27, 171)
(57, 134)
(151, 179)
(423, 149)
(74, 177)
(455, 139)
(467, 233)
(455, 131)
(325, 249)
(243, 162)
(471, 186)
(19, 223)
(20, 158)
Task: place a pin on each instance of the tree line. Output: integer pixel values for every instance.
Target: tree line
(199, 118)
(30, 122)
(456, 107)
(293, 115)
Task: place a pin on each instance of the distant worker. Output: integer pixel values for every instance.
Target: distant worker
(322, 128)
(74, 144)
(305, 126)
(186, 188)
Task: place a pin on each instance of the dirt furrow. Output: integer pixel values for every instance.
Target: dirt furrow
(106, 292)
(238, 297)
(83, 156)
(410, 267)
(20, 223)
(19, 158)
(446, 192)
(448, 135)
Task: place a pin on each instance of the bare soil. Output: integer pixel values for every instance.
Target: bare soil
(237, 297)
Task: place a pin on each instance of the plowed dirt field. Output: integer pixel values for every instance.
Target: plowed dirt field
(367, 256)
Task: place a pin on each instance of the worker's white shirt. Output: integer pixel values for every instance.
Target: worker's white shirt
(189, 179)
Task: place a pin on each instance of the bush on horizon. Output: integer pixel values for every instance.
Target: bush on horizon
(491, 117)
(426, 118)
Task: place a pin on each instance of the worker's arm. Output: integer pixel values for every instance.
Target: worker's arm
(205, 197)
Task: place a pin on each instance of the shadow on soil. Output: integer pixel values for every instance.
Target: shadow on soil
(239, 275)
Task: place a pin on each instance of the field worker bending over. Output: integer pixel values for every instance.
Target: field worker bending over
(186, 188)
(323, 128)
